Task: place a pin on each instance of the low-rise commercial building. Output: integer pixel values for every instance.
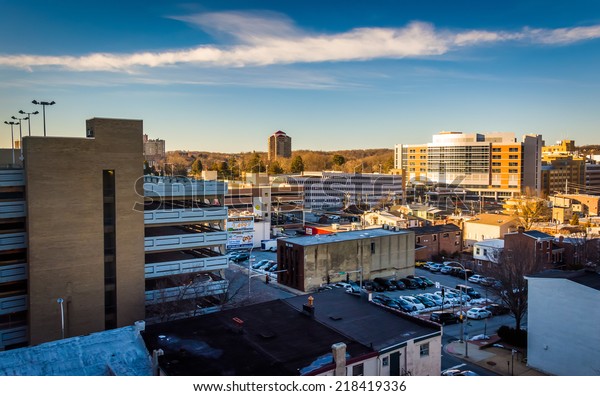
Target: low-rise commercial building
(308, 262)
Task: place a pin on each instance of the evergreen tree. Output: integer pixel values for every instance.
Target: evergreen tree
(197, 168)
(297, 165)
(275, 168)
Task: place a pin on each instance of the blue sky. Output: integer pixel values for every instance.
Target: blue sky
(223, 75)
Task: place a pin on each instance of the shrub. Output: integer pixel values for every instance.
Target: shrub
(513, 336)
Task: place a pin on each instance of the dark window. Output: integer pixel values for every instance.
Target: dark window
(110, 263)
(424, 349)
(372, 247)
(358, 370)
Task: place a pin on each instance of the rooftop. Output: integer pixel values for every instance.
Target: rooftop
(435, 229)
(343, 236)
(112, 352)
(492, 219)
(364, 321)
(269, 338)
(587, 278)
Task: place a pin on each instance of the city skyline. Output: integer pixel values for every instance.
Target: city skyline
(334, 75)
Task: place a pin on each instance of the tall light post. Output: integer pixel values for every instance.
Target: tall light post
(20, 134)
(29, 118)
(462, 326)
(12, 138)
(43, 104)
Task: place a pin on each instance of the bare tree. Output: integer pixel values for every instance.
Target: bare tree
(509, 267)
(528, 209)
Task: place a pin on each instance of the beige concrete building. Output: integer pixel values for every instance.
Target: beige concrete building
(311, 261)
(487, 226)
(84, 241)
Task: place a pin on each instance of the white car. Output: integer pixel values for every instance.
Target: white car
(413, 301)
(478, 313)
(476, 278)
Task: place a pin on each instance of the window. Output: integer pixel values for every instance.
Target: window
(496, 164)
(385, 361)
(372, 247)
(496, 150)
(496, 157)
(513, 171)
(477, 251)
(424, 349)
(513, 164)
(513, 157)
(445, 235)
(435, 237)
(418, 239)
(358, 370)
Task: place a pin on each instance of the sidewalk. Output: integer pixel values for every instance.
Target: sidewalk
(496, 359)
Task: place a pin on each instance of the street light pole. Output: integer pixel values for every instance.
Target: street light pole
(20, 134)
(462, 326)
(43, 104)
(12, 138)
(29, 118)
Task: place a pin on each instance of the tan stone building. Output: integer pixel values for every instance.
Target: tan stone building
(311, 261)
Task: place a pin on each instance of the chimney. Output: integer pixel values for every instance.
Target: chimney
(155, 367)
(339, 358)
(521, 229)
(308, 309)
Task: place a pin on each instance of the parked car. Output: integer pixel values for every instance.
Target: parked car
(461, 273)
(472, 293)
(487, 281)
(435, 298)
(428, 282)
(497, 309)
(353, 287)
(405, 305)
(459, 373)
(446, 270)
(260, 263)
(409, 283)
(399, 284)
(419, 263)
(435, 267)
(478, 313)
(476, 278)
(425, 301)
(418, 280)
(413, 300)
(266, 265)
(241, 257)
(272, 267)
(443, 318)
(385, 283)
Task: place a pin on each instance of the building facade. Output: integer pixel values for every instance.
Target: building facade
(310, 261)
(493, 165)
(72, 245)
(564, 341)
(154, 151)
(336, 190)
(280, 146)
(438, 240)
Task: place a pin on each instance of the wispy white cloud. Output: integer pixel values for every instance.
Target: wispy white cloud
(261, 39)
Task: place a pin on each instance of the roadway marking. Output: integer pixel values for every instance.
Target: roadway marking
(456, 367)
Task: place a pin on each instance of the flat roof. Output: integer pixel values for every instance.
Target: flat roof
(270, 338)
(366, 322)
(584, 277)
(343, 236)
(492, 219)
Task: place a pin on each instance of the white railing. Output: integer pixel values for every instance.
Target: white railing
(13, 272)
(13, 335)
(183, 215)
(165, 187)
(184, 241)
(15, 240)
(13, 304)
(157, 270)
(186, 292)
(12, 177)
